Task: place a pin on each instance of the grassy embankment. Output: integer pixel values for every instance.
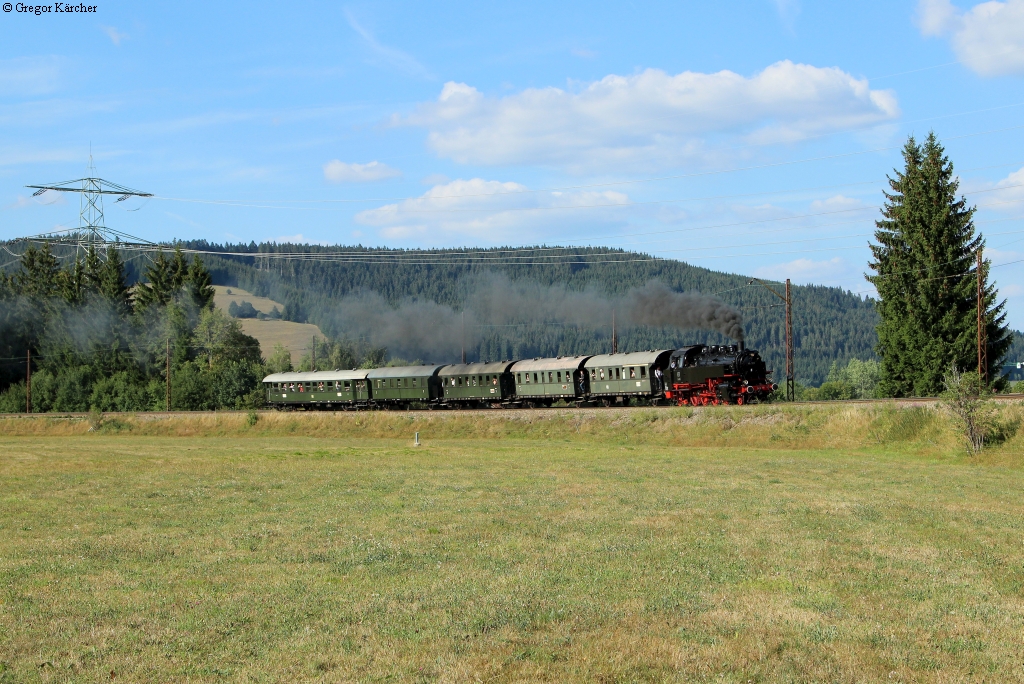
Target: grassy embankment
(823, 544)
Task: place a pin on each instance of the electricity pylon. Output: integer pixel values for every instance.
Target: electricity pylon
(90, 217)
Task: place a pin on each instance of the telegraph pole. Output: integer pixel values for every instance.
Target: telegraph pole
(982, 342)
(790, 368)
(615, 339)
(314, 352)
(167, 396)
(463, 337)
(790, 372)
(28, 381)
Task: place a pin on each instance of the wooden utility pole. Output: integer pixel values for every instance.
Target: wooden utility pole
(982, 341)
(790, 371)
(314, 352)
(167, 396)
(463, 337)
(615, 338)
(28, 381)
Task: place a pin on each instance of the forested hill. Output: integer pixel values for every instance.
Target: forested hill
(423, 290)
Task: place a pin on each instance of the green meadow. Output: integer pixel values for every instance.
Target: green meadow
(748, 544)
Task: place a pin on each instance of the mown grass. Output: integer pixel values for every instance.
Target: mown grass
(511, 549)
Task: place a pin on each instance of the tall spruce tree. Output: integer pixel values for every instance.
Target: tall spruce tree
(925, 274)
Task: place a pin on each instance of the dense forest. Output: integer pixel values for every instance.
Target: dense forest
(96, 341)
(828, 324)
(99, 325)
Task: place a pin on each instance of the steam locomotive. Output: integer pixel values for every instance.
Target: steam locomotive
(698, 375)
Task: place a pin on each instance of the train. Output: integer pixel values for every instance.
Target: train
(697, 375)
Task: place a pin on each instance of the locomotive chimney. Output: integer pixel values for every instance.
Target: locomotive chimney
(741, 345)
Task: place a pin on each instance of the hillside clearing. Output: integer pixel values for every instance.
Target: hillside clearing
(295, 337)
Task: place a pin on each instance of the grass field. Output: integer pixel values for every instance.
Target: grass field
(755, 544)
(295, 337)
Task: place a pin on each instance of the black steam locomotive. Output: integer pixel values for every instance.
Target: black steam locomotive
(717, 374)
(692, 376)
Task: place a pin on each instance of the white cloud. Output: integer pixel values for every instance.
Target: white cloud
(390, 56)
(1004, 195)
(435, 179)
(493, 212)
(788, 11)
(988, 38)
(584, 53)
(650, 118)
(115, 36)
(835, 203)
(341, 172)
(45, 200)
(29, 75)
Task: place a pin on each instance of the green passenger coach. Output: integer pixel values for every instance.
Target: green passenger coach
(622, 377)
(320, 389)
(544, 381)
(404, 384)
(477, 384)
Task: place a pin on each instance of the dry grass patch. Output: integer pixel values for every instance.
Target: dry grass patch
(260, 557)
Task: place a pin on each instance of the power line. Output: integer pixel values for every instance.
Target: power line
(243, 203)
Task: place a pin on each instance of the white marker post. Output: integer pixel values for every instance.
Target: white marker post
(417, 442)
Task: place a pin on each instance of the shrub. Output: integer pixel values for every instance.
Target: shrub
(964, 397)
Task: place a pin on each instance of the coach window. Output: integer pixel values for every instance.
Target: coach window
(593, 374)
(643, 371)
(617, 376)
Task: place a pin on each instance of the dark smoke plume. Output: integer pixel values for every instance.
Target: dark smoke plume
(656, 305)
(416, 329)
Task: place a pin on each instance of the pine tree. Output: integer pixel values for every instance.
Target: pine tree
(39, 273)
(93, 266)
(111, 283)
(158, 288)
(179, 270)
(199, 284)
(926, 280)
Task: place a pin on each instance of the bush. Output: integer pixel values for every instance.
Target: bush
(12, 400)
(965, 398)
(837, 390)
(120, 392)
(243, 310)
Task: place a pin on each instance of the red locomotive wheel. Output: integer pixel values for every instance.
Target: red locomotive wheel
(739, 401)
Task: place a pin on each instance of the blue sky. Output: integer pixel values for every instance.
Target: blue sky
(745, 137)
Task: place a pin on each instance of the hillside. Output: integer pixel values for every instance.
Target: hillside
(331, 290)
(295, 337)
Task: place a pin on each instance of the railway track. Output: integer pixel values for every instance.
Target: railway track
(910, 401)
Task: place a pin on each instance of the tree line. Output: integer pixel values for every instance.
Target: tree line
(91, 340)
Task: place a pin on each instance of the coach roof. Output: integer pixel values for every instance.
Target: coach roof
(404, 372)
(317, 376)
(476, 368)
(644, 358)
(560, 363)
